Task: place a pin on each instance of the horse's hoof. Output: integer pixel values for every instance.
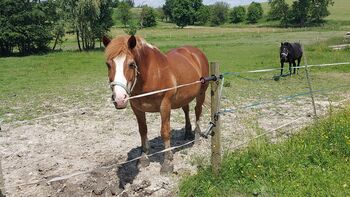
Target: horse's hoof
(189, 135)
(167, 168)
(143, 161)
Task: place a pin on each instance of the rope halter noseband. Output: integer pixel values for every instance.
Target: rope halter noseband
(125, 87)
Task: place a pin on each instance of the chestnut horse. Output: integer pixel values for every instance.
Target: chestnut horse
(136, 67)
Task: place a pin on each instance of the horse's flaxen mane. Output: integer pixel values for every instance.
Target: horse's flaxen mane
(119, 46)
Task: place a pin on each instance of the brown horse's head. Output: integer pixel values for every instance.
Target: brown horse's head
(122, 68)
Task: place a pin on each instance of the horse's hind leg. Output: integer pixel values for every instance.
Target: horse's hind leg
(198, 110)
(299, 60)
(188, 127)
(141, 120)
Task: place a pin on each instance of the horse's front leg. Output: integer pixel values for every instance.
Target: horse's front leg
(141, 120)
(282, 64)
(294, 65)
(165, 108)
(290, 68)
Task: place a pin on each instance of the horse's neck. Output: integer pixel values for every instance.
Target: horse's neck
(150, 59)
(151, 63)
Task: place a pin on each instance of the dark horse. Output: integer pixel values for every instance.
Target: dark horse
(289, 52)
(136, 67)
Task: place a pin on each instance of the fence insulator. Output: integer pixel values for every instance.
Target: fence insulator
(209, 130)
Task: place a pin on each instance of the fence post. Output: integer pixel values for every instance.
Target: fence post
(215, 118)
(309, 85)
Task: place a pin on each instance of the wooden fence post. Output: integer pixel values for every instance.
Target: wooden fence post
(215, 118)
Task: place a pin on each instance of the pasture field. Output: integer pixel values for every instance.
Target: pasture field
(311, 163)
(56, 115)
(70, 77)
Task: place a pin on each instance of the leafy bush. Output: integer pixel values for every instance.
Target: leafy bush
(255, 12)
(237, 15)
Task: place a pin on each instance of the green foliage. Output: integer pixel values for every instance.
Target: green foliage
(160, 13)
(255, 12)
(115, 3)
(26, 25)
(131, 29)
(312, 163)
(124, 13)
(183, 13)
(89, 19)
(131, 3)
(203, 15)
(148, 17)
(308, 12)
(238, 14)
(167, 9)
(278, 10)
(219, 13)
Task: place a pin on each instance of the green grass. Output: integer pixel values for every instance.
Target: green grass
(27, 83)
(314, 162)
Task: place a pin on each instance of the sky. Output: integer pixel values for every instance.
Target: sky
(158, 3)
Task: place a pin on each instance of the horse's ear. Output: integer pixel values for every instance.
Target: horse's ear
(281, 43)
(105, 40)
(132, 42)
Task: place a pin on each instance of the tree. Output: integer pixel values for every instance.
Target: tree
(124, 13)
(203, 15)
(237, 15)
(167, 9)
(182, 12)
(26, 25)
(219, 12)
(160, 13)
(255, 12)
(148, 17)
(278, 10)
(309, 12)
(89, 19)
(131, 3)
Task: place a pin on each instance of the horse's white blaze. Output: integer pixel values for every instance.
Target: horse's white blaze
(119, 77)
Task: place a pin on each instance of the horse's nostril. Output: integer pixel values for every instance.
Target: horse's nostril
(125, 96)
(113, 97)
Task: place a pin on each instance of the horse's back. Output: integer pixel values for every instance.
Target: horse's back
(188, 58)
(298, 50)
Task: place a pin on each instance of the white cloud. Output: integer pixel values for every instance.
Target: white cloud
(158, 3)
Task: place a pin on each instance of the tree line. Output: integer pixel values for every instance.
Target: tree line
(34, 26)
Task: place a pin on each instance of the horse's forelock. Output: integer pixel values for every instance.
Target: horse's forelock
(119, 46)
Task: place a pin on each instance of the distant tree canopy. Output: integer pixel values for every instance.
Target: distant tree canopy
(219, 13)
(301, 12)
(255, 12)
(203, 15)
(89, 19)
(148, 17)
(124, 13)
(183, 12)
(238, 14)
(26, 26)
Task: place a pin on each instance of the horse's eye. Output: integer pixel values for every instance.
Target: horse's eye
(109, 66)
(132, 65)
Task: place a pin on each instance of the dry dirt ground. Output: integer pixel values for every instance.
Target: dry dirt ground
(97, 141)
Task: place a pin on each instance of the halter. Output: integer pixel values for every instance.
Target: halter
(125, 87)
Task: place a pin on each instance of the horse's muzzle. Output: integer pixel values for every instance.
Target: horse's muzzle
(119, 103)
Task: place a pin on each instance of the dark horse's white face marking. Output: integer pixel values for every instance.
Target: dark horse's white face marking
(284, 52)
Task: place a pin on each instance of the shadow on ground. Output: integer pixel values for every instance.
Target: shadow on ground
(127, 172)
